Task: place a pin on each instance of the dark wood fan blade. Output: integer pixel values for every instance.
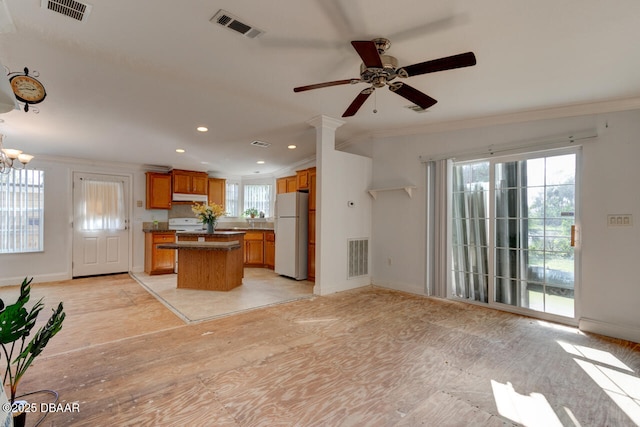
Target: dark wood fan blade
(368, 52)
(357, 103)
(413, 95)
(326, 84)
(450, 62)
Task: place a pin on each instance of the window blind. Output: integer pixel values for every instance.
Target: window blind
(22, 211)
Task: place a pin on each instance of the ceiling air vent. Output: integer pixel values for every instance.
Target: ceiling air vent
(261, 144)
(70, 8)
(226, 19)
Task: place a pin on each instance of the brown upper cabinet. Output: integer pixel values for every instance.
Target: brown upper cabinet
(217, 191)
(302, 178)
(287, 184)
(190, 182)
(158, 190)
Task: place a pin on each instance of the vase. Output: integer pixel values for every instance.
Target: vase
(211, 226)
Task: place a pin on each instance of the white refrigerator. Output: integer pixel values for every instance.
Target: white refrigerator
(291, 234)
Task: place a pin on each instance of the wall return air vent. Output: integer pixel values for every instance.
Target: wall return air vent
(231, 22)
(70, 8)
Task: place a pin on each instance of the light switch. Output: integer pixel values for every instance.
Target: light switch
(620, 220)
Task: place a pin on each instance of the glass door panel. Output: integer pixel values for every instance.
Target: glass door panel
(535, 211)
(470, 231)
(512, 228)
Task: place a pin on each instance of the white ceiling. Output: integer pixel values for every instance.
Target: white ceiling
(132, 82)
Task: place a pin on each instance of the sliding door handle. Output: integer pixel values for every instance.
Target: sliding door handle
(573, 236)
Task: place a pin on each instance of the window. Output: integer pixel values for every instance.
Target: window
(21, 210)
(103, 207)
(257, 196)
(231, 199)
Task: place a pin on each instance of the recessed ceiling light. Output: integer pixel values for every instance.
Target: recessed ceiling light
(180, 150)
(260, 162)
(292, 147)
(202, 129)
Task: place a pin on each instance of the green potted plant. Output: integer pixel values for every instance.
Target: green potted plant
(16, 323)
(251, 212)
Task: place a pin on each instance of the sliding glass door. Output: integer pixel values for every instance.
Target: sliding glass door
(512, 232)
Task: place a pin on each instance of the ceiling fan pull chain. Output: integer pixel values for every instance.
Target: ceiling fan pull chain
(375, 102)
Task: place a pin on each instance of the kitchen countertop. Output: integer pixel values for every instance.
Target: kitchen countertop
(207, 246)
(203, 232)
(217, 232)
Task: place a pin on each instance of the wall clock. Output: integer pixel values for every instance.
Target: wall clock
(27, 88)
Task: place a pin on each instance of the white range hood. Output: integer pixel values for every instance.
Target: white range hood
(185, 197)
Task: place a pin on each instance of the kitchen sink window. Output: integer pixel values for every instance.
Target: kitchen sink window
(257, 196)
(21, 211)
(231, 199)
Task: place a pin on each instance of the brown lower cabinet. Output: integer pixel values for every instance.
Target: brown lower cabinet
(158, 261)
(254, 248)
(270, 249)
(259, 249)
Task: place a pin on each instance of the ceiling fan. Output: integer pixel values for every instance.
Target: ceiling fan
(378, 70)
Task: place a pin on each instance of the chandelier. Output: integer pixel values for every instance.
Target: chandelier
(8, 157)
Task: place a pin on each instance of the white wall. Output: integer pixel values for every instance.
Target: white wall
(609, 290)
(341, 178)
(54, 263)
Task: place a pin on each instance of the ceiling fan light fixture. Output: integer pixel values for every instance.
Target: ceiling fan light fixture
(378, 70)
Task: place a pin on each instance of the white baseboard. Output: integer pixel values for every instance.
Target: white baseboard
(332, 288)
(629, 333)
(42, 278)
(410, 288)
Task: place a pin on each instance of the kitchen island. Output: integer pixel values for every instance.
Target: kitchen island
(208, 265)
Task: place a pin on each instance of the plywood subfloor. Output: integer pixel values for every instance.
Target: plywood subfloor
(369, 357)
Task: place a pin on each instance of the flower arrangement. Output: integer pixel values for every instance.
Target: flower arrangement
(208, 214)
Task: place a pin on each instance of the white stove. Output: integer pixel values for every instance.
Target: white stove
(185, 224)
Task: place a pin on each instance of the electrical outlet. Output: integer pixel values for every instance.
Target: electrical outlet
(620, 220)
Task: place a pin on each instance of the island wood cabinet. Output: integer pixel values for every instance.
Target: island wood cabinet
(217, 191)
(158, 190)
(158, 261)
(190, 182)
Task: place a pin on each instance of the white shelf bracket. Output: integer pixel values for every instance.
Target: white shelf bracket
(407, 189)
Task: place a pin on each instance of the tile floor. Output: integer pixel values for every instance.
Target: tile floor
(261, 287)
